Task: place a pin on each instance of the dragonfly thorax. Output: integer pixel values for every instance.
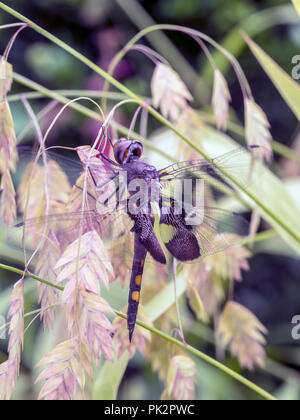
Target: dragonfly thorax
(127, 153)
(140, 170)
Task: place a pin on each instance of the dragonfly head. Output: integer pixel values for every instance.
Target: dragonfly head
(126, 150)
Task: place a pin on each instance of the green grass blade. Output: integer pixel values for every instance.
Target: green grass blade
(287, 87)
(253, 25)
(296, 3)
(106, 385)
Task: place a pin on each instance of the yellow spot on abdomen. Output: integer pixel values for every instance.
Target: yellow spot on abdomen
(135, 296)
(138, 280)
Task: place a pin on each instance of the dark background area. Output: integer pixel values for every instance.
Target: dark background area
(99, 28)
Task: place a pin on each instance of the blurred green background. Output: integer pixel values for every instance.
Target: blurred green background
(99, 28)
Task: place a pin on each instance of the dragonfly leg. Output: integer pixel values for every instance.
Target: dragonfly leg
(92, 176)
(101, 154)
(88, 193)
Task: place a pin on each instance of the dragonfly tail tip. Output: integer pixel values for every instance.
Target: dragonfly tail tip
(131, 334)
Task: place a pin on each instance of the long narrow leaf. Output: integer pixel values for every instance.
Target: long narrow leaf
(252, 24)
(107, 383)
(296, 3)
(288, 87)
(275, 198)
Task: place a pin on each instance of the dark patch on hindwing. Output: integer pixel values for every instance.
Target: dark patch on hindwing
(178, 237)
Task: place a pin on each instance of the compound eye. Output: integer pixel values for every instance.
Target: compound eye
(121, 150)
(125, 150)
(136, 148)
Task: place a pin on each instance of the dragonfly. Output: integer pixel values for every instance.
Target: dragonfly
(160, 221)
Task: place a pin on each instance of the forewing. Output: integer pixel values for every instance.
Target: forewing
(218, 230)
(73, 162)
(109, 226)
(238, 164)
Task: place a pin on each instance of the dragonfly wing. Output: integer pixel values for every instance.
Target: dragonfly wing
(104, 211)
(72, 163)
(205, 232)
(70, 226)
(178, 238)
(217, 229)
(237, 163)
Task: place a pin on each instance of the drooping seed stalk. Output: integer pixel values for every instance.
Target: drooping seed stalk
(169, 339)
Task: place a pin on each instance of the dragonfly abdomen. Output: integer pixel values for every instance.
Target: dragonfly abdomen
(140, 254)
